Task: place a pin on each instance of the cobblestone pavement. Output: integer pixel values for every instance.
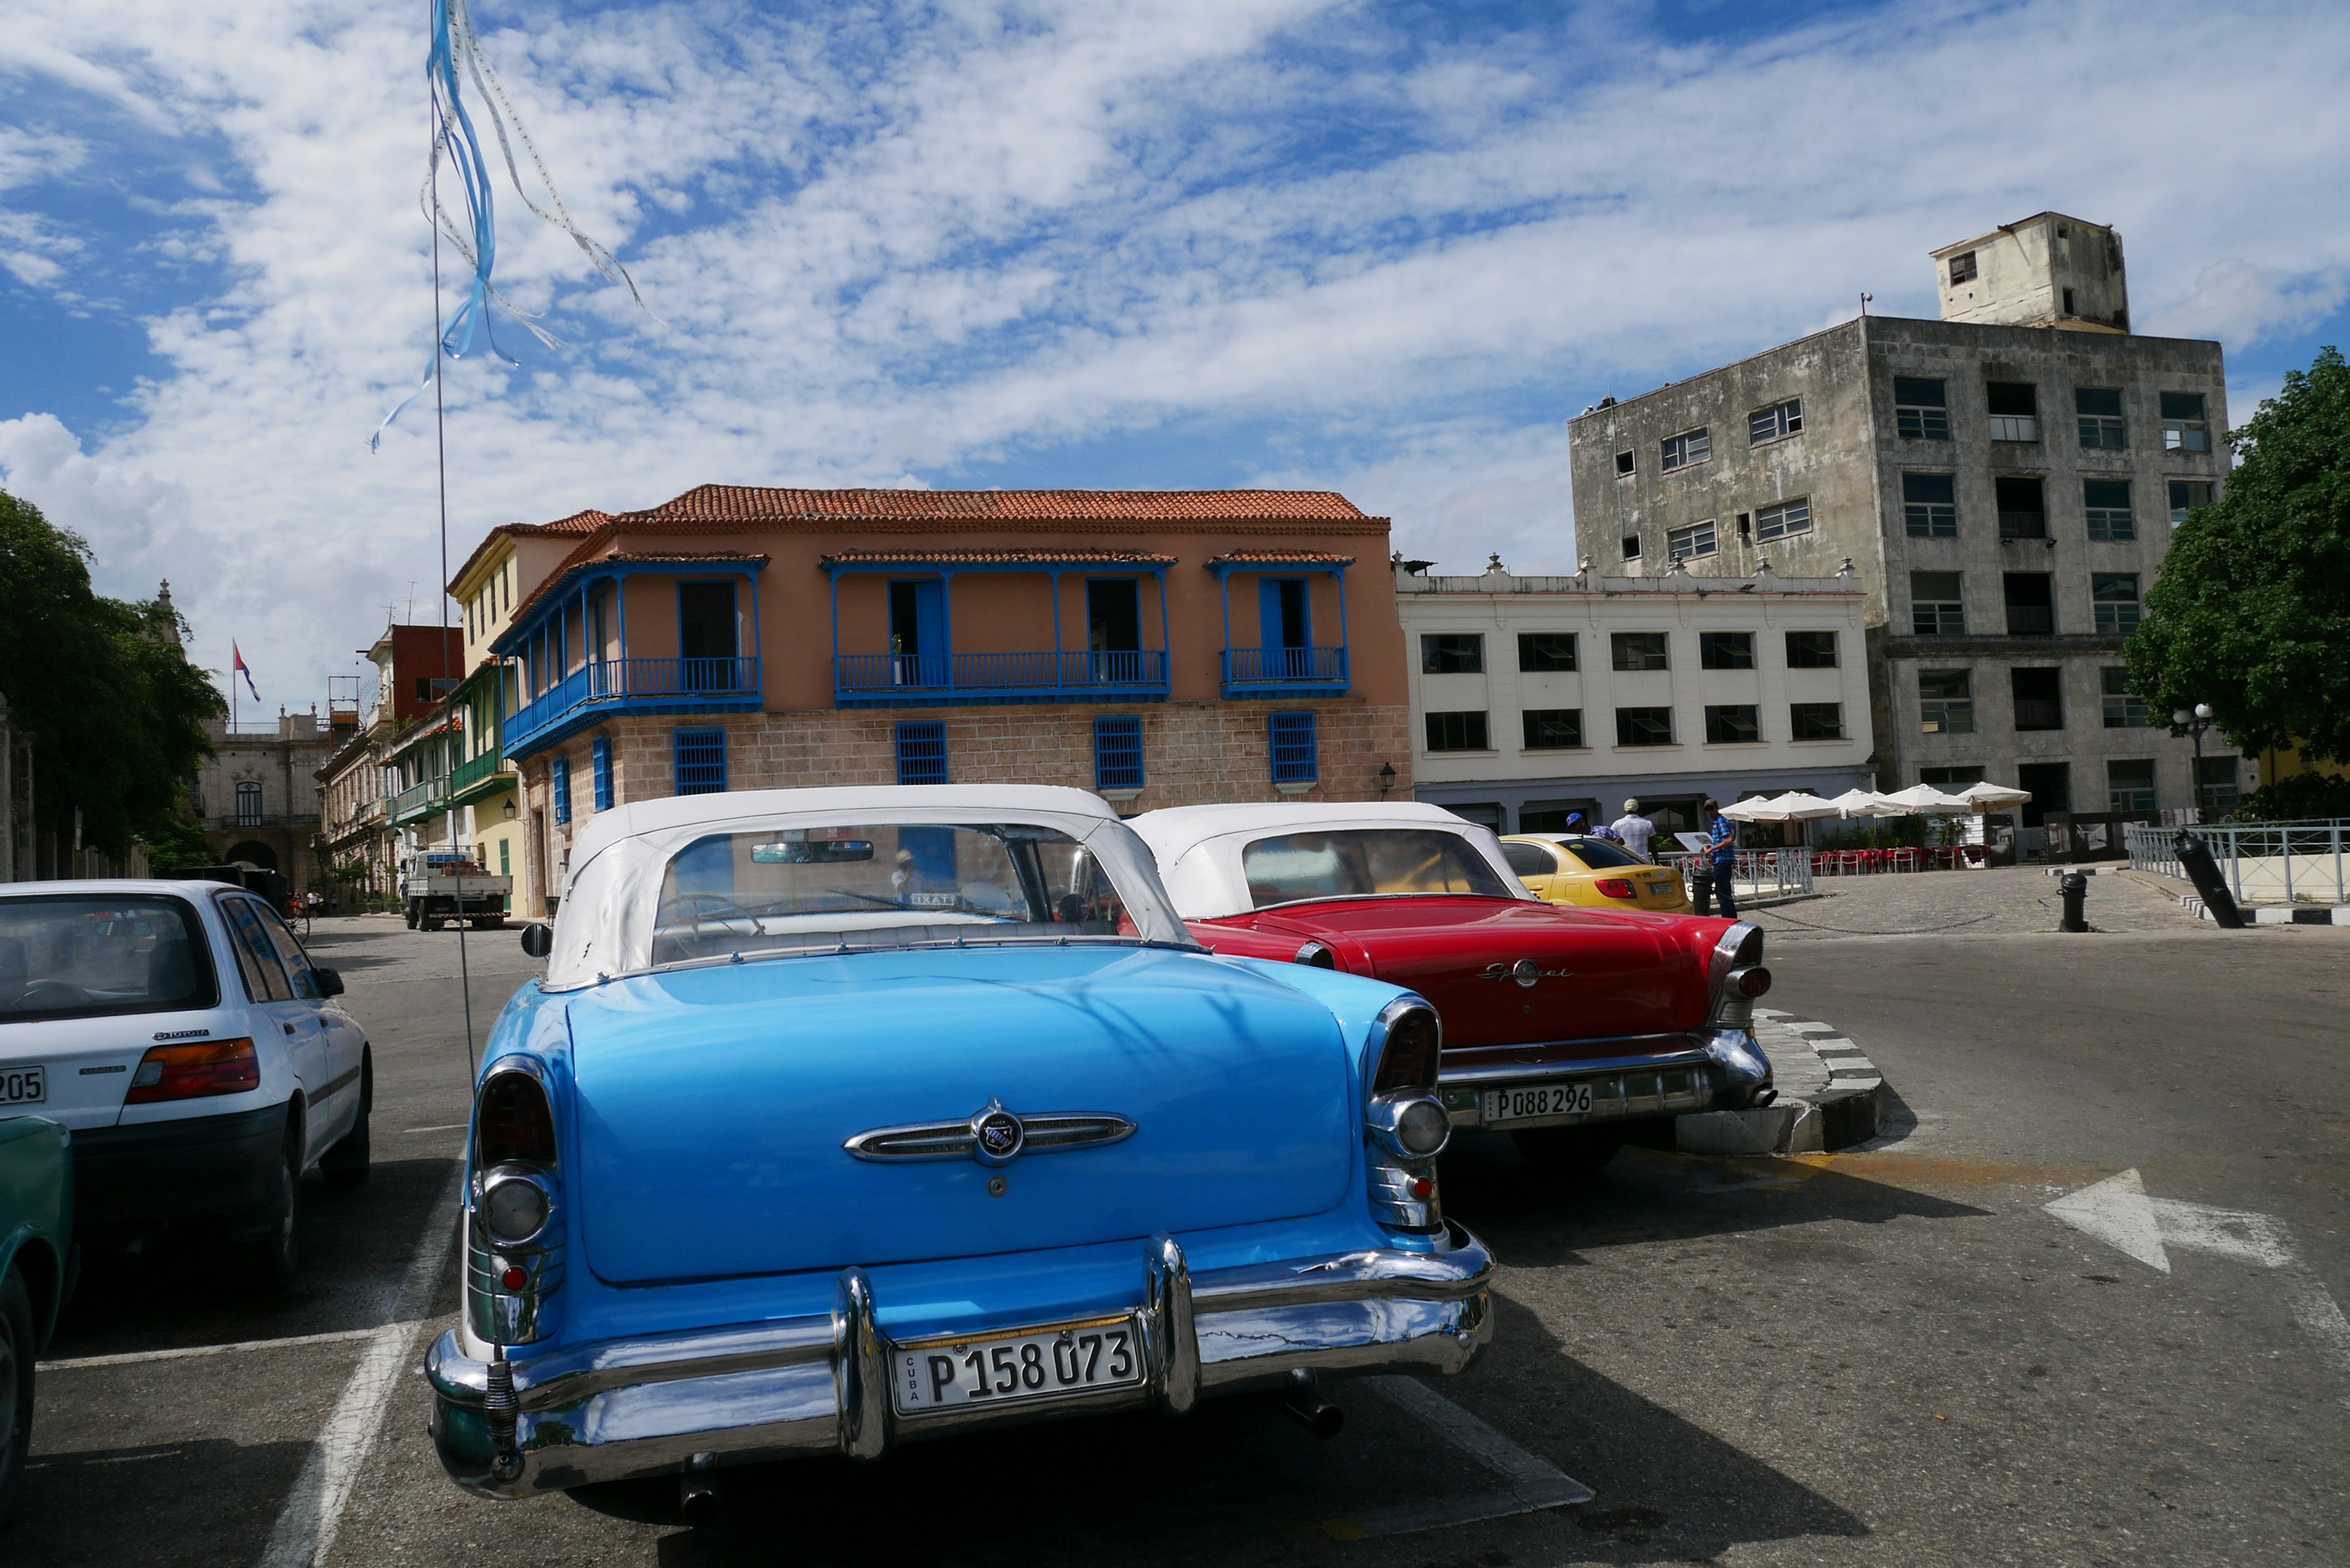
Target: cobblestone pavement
(2002, 900)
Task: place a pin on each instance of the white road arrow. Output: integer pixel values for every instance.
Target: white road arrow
(2119, 1212)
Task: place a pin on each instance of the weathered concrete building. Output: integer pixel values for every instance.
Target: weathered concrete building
(2004, 483)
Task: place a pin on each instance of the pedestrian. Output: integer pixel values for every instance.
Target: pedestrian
(1633, 830)
(1578, 824)
(1717, 873)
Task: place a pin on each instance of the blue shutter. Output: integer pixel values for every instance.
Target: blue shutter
(563, 789)
(1117, 753)
(602, 752)
(1294, 758)
(701, 762)
(922, 752)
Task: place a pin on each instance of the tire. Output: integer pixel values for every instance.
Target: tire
(15, 1385)
(271, 1261)
(345, 1164)
(413, 914)
(1564, 1153)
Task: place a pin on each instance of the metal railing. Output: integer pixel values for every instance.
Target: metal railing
(1758, 872)
(475, 770)
(1076, 673)
(2023, 524)
(614, 679)
(2262, 862)
(1285, 666)
(417, 799)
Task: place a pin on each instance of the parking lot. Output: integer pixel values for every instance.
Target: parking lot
(1892, 1355)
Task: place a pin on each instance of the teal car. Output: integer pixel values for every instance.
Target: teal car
(36, 1218)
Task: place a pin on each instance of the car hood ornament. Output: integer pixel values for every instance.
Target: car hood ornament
(991, 1135)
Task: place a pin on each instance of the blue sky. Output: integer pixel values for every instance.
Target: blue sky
(1386, 249)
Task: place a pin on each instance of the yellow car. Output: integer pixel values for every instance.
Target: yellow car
(1592, 874)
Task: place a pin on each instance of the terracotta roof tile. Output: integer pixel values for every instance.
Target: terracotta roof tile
(747, 504)
(579, 560)
(997, 558)
(1281, 558)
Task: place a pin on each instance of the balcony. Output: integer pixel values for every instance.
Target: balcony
(946, 679)
(476, 777)
(419, 801)
(607, 687)
(1286, 671)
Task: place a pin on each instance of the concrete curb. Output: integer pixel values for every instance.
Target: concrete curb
(1831, 1096)
(2277, 915)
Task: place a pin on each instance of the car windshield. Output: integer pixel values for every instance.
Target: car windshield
(880, 884)
(1599, 854)
(1363, 862)
(85, 955)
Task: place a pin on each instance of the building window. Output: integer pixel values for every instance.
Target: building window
(1815, 720)
(2100, 411)
(1688, 447)
(506, 860)
(1545, 651)
(1118, 752)
(1930, 505)
(1921, 409)
(1623, 464)
(2115, 595)
(1946, 702)
(559, 786)
(1294, 758)
(248, 804)
(2183, 425)
(1962, 268)
(2068, 302)
(1950, 780)
(1688, 544)
(1631, 546)
(1936, 609)
(1463, 732)
(2022, 503)
(1725, 650)
(1451, 653)
(1644, 726)
(2129, 786)
(700, 761)
(2039, 694)
(1731, 725)
(2215, 786)
(2186, 495)
(2031, 604)
(922, 752)
(2014, 408)
(1787, 517)
(2123, 710)
(1810, 650)
(2107, 504)
(1552, 729)
(1639, 650)
(1774, 423)
(600, 761)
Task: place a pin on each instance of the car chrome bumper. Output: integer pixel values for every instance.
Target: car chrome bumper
(819, 1384)
(1712, 1069)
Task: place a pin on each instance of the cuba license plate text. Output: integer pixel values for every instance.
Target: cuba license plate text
(1538, 1100)
(1018, 1367)
(24, 1086)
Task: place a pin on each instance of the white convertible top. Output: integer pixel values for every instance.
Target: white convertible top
(1199, 846)
(605, 924)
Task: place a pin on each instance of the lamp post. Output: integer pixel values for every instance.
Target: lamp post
(2195, 721)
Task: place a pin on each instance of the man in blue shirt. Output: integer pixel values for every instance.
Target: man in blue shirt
(1717, 875)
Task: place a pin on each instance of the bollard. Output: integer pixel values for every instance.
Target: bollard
(2074, 887)
(2195, 859)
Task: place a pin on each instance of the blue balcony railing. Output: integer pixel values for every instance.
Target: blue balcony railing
(875, 679)
(633, 685)
(1283, 671)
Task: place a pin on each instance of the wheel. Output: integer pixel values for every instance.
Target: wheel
(413, 914)
(272, 1258)
(1568, 1151)
(15, 1384)
(345, 1164)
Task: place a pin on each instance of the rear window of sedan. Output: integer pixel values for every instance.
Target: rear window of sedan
(75, 955)
(1364, 862)
(1598, 855)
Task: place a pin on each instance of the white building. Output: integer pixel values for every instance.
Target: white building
(1535, 697)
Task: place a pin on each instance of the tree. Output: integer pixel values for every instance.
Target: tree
(117, 711)
(2251, 612)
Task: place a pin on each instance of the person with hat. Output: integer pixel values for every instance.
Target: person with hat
(1718, 874)
(1633, 830)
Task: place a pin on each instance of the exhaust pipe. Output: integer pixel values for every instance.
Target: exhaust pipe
(697, 1490)
(1307, 1406)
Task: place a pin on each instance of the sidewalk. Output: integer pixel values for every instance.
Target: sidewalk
(1831, 1096)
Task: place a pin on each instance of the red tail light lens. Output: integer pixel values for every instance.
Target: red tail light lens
(1614, 886)
(1752, 982)
(513, 1122)
(192, 1071)
(1409, 1059)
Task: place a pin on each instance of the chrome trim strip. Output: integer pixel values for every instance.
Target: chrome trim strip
(1692, 1052)
(1174, 1344)
(1375, 1040)
(860, 1369)
(1046, 1132)
(1725, 958)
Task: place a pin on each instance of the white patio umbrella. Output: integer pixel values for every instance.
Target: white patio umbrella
(1865, 802)
(1927, 798)
(1989, 796)
(1758, 808)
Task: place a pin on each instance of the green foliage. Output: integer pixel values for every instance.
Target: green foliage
(116, 712)
(2251, 610)
(177, 845)
(2299, 798)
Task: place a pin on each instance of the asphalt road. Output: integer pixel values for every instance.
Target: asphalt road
(1895, 1355)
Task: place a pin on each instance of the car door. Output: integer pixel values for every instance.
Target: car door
(335, 1100)
(270, 988)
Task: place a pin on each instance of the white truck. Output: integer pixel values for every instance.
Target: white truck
(441, 886)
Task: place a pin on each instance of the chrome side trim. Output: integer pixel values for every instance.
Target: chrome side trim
(1174, 1344)
(1730, 951)
(860, 1369)
(1674, 1051)
(1046, 1132)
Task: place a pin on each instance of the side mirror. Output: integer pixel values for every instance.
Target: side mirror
(329, 980)
(538, 940)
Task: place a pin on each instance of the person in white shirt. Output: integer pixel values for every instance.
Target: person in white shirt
(1634, 829)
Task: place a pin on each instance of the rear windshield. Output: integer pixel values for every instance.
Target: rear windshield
(85, 955)
(880, 884)
(1599, 854)
(1355, 863)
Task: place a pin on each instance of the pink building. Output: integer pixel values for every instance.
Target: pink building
(1162, 648)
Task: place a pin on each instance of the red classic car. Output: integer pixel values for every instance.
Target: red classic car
(1567, 1028)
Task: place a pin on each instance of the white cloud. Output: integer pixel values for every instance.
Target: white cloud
(2244, 304)
(134, 521)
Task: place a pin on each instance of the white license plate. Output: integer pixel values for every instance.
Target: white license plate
(1661, 888)
(24, 1086)
(1003, 1369)
(1537, 1100)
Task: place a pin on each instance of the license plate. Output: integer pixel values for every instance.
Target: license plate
(24, 1086)
(1003, 1369)
(1537, 1100)
(1661, 888)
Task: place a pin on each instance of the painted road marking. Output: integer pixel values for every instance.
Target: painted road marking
(2119, 1212)
(452, 1127)
(130, 1357)
(1533, 1482)
(305, 1528)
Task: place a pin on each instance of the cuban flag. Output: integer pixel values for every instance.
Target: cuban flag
(244, 669)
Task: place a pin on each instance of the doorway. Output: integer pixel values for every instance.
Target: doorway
(1114, 628)
(707, 635)
(918, 633)
(1287, 626)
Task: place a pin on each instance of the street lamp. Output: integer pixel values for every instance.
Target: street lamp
(2195, 721)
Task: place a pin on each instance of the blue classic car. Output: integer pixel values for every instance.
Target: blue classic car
(843, 1119)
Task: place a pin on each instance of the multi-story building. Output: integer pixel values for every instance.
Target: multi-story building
(258, 796)
(2003, 483)
(1535, 697)
(1163, 648)
(360, 841)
